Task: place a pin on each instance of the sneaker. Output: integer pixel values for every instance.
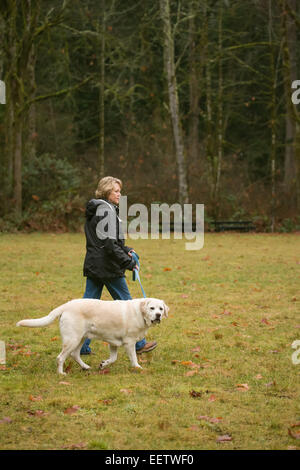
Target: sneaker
(148, 347)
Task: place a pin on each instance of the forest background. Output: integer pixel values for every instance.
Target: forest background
(186, 101)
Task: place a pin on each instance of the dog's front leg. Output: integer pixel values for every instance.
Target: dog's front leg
(112, 358)
(131, 352)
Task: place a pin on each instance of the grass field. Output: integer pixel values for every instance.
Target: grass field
(223, 365)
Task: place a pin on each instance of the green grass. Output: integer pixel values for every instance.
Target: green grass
(234, 313)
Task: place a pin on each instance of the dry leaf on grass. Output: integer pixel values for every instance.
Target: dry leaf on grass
(37, 398)
(224, 438)
(294, 434)
(242, 387)
(126, 391)
(79, 445)
(193, 427)
(210, 420)
(106, 402)
(190, 373)
(73, 409)
(270, 384)
(37, 413)
(6, 419)
(195, 394)
(212, 398)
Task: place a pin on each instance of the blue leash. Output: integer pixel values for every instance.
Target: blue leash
(135, 273)
(138, 278)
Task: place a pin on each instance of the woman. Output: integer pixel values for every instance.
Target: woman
(107, 257)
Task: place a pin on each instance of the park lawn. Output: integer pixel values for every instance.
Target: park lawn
(223, 365)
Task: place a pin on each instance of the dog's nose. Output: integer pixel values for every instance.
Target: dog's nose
(158, 316)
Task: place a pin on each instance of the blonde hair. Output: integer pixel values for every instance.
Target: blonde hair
(106, 185)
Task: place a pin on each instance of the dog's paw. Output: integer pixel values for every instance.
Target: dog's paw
(85, 367)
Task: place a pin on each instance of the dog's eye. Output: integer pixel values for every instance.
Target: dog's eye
(151, 308)
(160, 308)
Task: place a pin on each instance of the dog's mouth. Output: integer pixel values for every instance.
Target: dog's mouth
(155, 321)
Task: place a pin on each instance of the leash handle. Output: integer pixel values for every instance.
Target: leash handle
(135, 273)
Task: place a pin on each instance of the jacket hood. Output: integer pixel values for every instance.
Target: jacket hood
(92, 205)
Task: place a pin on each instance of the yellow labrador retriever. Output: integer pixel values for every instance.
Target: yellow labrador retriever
(118, 322)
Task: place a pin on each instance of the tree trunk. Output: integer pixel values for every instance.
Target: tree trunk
(292, 119)
(21, 32)
(169, 64)
(101, 96)
(273, 120)
(193, 86)
(220, 112)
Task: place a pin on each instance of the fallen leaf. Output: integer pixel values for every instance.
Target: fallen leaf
(270, 384)
(127, 391)
(190, 364)
(194, 427)
(73, 409)
(210, 420)
(104, 371)
(190, 373)
(242, 387)
(37, 413)
(6, 419)
(69, 367)
(204, 417)
(195, 394)
(265, 321)
(64, 383)
(296, 434)
(106, 402)
(167, 269)
(226, 312)
(224, 438)
(55, 338)
(38, 398)
(216, 420)
(258, 377)
(212, 398)
(79, 445)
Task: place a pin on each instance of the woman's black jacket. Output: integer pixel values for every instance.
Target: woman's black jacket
(106, 254)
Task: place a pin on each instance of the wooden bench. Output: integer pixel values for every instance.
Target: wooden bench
(234, 225)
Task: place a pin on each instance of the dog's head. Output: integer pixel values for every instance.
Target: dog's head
(153, 310)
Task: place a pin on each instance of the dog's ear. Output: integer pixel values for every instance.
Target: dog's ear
(166, 310)
(143, 306)
(144, 311)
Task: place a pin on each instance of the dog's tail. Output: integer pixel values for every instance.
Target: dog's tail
(44, 321)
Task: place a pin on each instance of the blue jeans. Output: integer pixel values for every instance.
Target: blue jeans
(118, 289)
